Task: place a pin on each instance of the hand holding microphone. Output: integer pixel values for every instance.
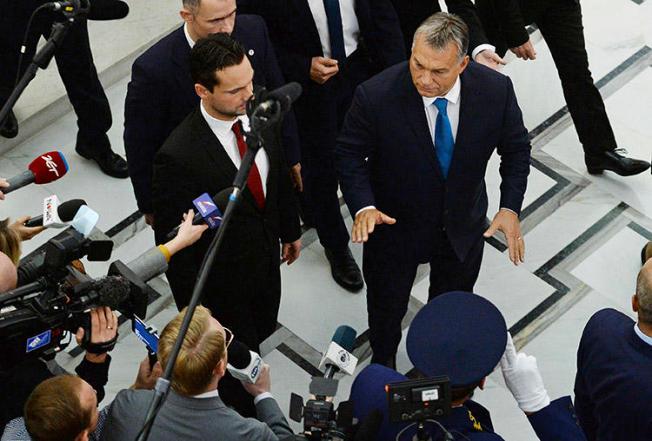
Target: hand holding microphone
(25, 232)
(523, 379)
(46, 168)
(187, 235)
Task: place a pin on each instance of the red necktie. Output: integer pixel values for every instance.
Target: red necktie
(254, 182)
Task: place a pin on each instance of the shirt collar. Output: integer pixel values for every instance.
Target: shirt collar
(220, 126)
(209, 394)
(646, 338)
(191, 42)
(452, 96)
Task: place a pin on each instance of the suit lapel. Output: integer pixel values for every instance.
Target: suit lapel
(416, 116)
(211, 146)
(469, 104)
(181, 58)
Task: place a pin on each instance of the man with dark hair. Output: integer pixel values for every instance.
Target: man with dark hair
(412, 173)
(151, 115)
(193, 408)
(77, 70)
(613, 385)
(202, 155)
(560, 23)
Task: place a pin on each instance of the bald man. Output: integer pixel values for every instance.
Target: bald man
(8, 275)
(613, 386)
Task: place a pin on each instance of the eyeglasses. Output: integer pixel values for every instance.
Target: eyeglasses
(228, 336)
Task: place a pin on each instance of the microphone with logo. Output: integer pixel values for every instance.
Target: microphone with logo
(46, 168)
(320, 419)
(209, 210)
(244, 364)
(55, 214)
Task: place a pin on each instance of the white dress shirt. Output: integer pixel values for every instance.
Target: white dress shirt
(646, 338)
(191, 42)
(215, 393)
(452, 109)
(224, 133)
(350, 26)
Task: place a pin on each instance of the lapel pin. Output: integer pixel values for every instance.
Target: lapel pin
(251, 52)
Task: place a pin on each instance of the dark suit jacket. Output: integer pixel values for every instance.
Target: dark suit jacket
(412, 13)
(161, 94)
(613, 386)
(191, 162)
(387, 124)
(187, 418)
(296, 39)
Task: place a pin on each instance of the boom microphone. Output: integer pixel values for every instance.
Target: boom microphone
(66, 212)
(108, 10)
(244, 364)
(46, 168)
(283, 96)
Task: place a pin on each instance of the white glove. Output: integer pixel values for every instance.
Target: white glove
(523, 379)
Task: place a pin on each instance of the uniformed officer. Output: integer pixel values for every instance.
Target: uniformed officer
(463, 336)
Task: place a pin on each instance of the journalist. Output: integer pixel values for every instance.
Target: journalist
(8, 276)
(65, 408)
(193, 409)
(12, 234)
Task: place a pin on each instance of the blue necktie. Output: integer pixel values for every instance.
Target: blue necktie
(444, 142)
(335, 29)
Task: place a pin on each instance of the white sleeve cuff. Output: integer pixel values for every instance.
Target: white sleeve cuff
(509, 209)
(368, 207)
(262, 396)
(480, 48)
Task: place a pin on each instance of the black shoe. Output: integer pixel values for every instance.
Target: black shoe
(9, 129)
(110, 162)
(616, 161)
(344, 269)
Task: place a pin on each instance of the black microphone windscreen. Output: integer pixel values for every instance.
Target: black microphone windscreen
(345, 337)
(239, 355)
(290, 91)
(112, 291)
(67, 210)
(108, 10)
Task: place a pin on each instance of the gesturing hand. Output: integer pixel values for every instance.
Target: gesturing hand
(489, 59)
(291, 251)
(507, 222)
(322, 69)
(525, 51)
(366, 221)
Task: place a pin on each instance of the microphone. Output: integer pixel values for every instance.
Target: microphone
(284, 96)
(244, 364)
(338, 357)
(209, 211)
(108, 10)
(111, 291)
(46, 168)
(65, 213)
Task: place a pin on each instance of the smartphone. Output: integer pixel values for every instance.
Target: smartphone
(149, 336)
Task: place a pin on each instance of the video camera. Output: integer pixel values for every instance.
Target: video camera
(54, 297)
(321, 421)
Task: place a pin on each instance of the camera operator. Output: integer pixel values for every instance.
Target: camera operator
(193, 409)
(65, 408)
(463, 336)
(21, 381)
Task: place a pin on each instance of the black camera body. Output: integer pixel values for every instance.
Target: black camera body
(419, 400)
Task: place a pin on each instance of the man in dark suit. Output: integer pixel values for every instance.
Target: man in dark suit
(202, 155)
(613, 386)
(427, 203)
(161, 92)
(412, 13)
(330, 47)
(560, 23)
(77, 70)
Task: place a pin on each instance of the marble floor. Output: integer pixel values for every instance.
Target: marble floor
(583, 232)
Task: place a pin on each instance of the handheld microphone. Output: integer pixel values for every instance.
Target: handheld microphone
(338, 357)
(65, 212)
(204, 212)
(244, 364)
(283, 96)
(46, 168)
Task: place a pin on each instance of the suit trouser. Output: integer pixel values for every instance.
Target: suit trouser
(320, 113)
(245, 297)
(560, 22)
(75, 63)
(390, 276)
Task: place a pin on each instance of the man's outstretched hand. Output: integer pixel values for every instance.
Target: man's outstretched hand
(366, 221)
(507, 222)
